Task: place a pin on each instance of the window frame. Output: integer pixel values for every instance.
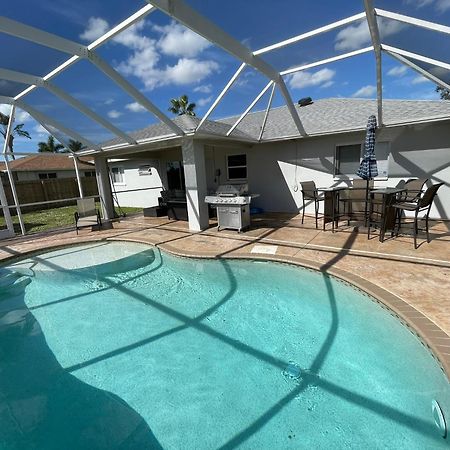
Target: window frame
(46, 175)
(237, 167)
(121, 171)
(336, 160)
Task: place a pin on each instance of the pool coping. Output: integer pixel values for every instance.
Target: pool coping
(430, 334)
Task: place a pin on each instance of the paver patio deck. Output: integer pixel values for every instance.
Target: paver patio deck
(414, 284)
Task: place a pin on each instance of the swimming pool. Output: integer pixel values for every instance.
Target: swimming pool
(118, 345)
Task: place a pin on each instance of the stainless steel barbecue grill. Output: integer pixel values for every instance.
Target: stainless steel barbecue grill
(233, 206)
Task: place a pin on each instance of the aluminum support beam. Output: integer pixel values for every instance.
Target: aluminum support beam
(419, 69)
(266, 115)
(186, 15)
(309, 34)
(413, 21)
(425, 59)
(328, 60)
(87, 111)
(222, 94)
(37, 36)
(80, 51)
(43, 119)
(133, 92)
(8, 169)
(136, 17)
(77, 173)
(375, 36)
(40, 82)
(252, 104)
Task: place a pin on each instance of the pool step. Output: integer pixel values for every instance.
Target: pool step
(14, 281)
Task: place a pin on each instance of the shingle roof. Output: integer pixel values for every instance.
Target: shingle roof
(187, 123)
(334, 115)
(43, 161)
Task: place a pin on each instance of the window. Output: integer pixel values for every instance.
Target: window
(237, 167)
(47, 175)
(347, 159)
(117, 175)
(89, 173)
(175, 175)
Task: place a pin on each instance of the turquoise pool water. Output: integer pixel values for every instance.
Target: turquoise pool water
(116, 345)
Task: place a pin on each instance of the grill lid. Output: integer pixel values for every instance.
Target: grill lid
(232, 190)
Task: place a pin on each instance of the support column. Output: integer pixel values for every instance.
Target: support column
(8, 169)
(104, 188)
(6, 214)
(77, 172)
(195, 179)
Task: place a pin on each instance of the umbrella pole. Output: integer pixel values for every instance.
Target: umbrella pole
(366, 219)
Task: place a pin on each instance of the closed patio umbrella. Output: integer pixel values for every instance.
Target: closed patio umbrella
(368, 168)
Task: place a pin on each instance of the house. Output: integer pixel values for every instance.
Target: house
(43, 166)
(414, 141)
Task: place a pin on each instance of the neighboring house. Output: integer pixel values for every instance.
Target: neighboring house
(43, 166)
(414, 142)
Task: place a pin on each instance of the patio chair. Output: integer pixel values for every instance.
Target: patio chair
(86, 215)
(413, 189)
(424, 204)
(354, 200)
(310, 192)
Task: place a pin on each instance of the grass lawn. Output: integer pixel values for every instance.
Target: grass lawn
(48, 219)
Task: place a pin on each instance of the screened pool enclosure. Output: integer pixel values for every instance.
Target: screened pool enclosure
(79, 70)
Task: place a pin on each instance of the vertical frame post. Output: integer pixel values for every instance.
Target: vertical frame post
(8, 169)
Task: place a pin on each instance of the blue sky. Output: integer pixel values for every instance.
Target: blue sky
(164, 60)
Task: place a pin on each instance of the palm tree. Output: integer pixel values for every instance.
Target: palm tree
(180, 106)
(50, 146)
(16, 131)
(443, 92)
(75, 146)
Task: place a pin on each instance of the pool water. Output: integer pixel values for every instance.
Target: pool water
(118, 345)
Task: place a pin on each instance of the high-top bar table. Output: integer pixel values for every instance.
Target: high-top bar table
(331, 204)
(387, 219)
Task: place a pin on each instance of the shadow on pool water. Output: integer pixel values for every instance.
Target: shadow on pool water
(42, 406)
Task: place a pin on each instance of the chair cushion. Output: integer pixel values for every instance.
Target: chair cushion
(90, 220)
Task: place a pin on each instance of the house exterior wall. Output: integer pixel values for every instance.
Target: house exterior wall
(138, 190)
(276, 169)
(34, 175)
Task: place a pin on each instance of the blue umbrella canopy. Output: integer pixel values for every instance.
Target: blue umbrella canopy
(368, 167)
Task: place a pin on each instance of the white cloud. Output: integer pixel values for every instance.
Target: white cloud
(188, 71)
(20, 116)
(204, 89)
(40, 130)
(419, 80)
(357, 36)
(365, 91)
(114, 114)
(177, 40)
(204, 101)
(109, 101)
(96, 27)
(440, 5)
(397, 71)
(135, 107)
(303, 79)
(443, 5)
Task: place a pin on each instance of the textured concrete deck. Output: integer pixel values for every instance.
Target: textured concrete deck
(413, 284)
